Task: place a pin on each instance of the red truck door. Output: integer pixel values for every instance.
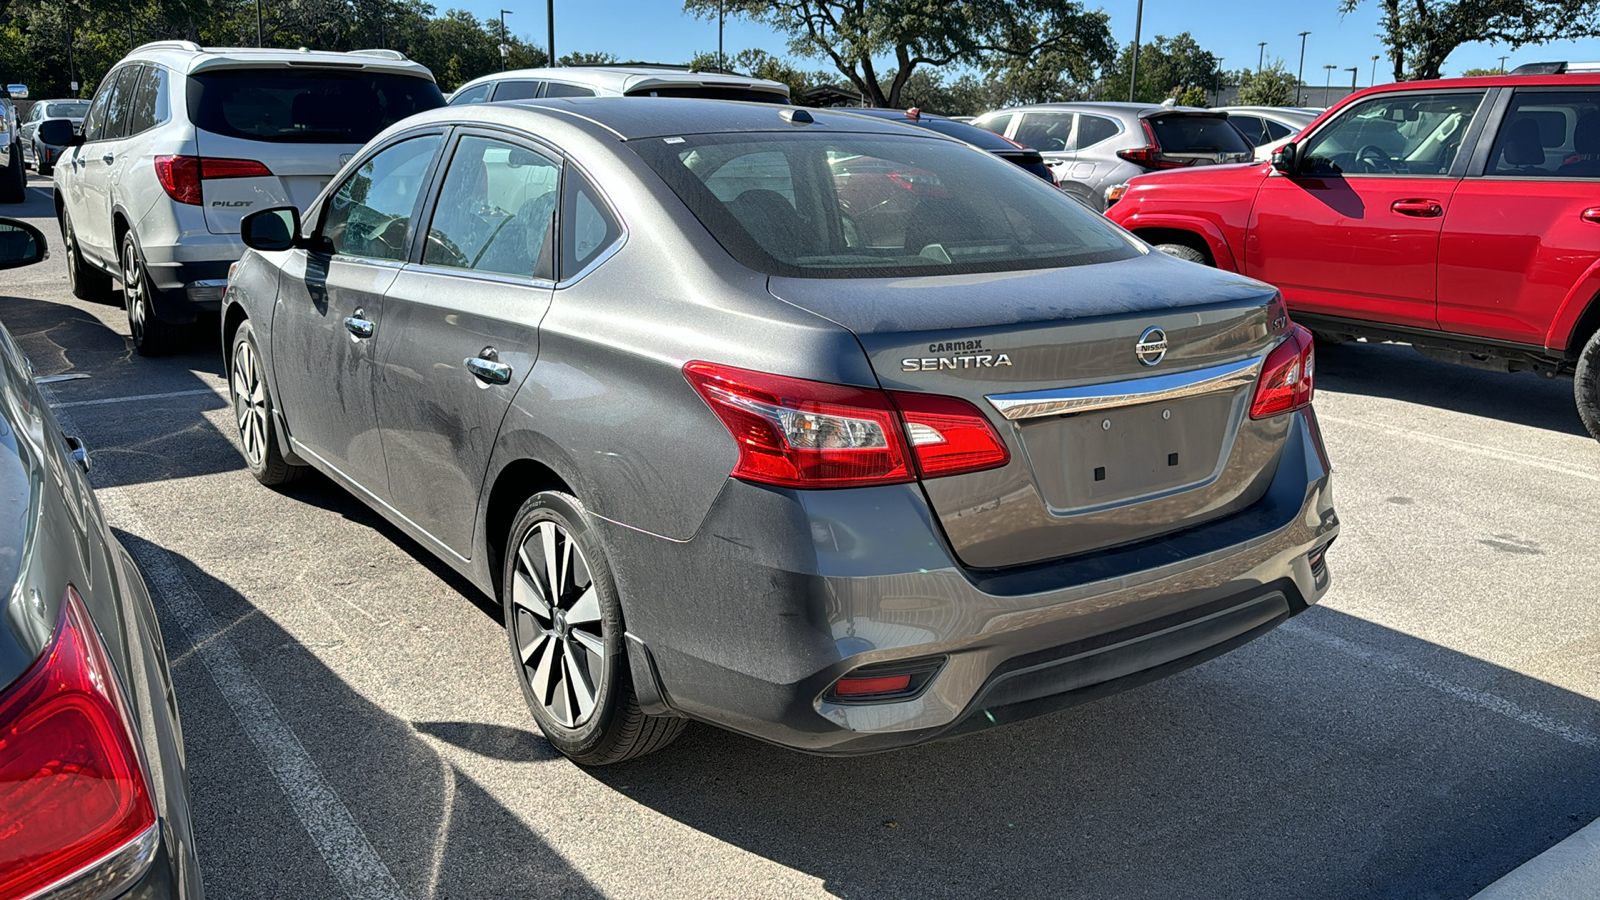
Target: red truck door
(1524, 226)
(1355, 232)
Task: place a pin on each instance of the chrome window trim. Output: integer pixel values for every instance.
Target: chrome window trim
(476, 275)
(1133, 392)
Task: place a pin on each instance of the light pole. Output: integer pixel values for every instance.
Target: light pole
(1261, 62)
(1216, 96)
(1352, 71)
(1327, 85)
(1300, 78)
(722, 62)
(505, 45)
(1133, 71)
(1374, 69)
(550, 13)
(259, 42)
(1503, 64)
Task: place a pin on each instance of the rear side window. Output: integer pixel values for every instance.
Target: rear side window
(557, 89)
(1549, 135)
(997, 123)
(369, 216)
(1094, 129)
(517, 90)
(310, 106)
(587, 226)
(496, 211)
(472, 95)
(1254, 128)
(149, 106)
(1276, 131)
(1197, 134)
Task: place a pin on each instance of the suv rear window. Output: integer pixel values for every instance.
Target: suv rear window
(1197, 134)
(710, 92)
(869, 206)
(310, 106)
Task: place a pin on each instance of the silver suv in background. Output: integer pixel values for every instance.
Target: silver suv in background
(43, 144)
(617, 81)
(181, 141)
(1268, 127)
(1091, 147)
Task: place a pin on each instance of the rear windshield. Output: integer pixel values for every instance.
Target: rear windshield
(864, 206)
(311, 106)
(1197, 134)
(710, 92)
(70, 109)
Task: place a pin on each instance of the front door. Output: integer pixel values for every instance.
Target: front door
(96, 163)
(1355, 232)
(1050, 133)
(462, 329)
(330, 310)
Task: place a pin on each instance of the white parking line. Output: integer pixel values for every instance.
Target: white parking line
(334, 832)
(1527, 459)
(105, 400)
(1492, 702)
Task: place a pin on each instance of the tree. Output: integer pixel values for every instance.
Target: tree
(588, 59)
(1477, 73)
(1421, 34)
(761, 64)
(1271, 86)
(1168, 68)
(852, 34)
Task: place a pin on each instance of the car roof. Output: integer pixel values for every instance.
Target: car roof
(1108, 107)
(188, 57)
(622, 79)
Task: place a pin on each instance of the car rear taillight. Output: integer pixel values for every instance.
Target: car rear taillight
(810, 434)
(1285, 384)
(180, 176)
(73, 790)
(1150, 156)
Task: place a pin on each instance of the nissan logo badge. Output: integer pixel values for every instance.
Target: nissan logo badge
(1152, 346)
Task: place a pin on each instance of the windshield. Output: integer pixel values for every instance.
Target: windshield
(68, 109)
(1197, 134)
(859, 206)
(312, 106)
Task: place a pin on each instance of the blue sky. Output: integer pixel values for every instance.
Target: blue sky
(659, 31)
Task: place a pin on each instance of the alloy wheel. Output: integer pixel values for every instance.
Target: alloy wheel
(250, 404)
(133, 291)
(557, 624)
(70, 245)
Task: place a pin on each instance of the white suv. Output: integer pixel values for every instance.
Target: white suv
(180, 142)
(617, 81)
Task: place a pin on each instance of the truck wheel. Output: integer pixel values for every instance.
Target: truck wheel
(1185, 252)
(1586, 385)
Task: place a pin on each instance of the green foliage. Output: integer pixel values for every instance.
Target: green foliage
(1024, 41)
(1173, 67)
(1477, 73)
(760, 64)
(1272, 86)
(1421, 34)
(588, 59)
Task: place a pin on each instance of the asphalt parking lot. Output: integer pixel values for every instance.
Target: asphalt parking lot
(353, 728)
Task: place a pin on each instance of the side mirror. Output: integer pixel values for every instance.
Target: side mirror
(60, 133)
(21, 244)
(271, 229)
(1286, 159)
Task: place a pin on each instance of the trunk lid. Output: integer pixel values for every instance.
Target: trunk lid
(1105, 449)
(299, 173)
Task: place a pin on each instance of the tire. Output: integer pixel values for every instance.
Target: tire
(1586, 386)
(555, 652)
(152, 335)
(88, 282)
(252, 412)
(14, 178)
(1184, 252)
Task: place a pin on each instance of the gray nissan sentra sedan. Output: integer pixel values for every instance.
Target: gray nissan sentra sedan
(828, 431)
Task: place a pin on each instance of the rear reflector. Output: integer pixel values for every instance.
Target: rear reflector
(810, 434)
(881, 684)
(72, 784)
(1286, 378)
(180, 176)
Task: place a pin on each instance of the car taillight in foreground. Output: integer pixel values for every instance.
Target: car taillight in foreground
(810, 434)
(73, 796)
(180, 176)
(1150, 156)
(1285, 384)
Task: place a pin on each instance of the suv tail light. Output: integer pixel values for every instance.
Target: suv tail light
(1149, 155)
(1286, 377)
(180, 176)
(810, 434)
(73, 792)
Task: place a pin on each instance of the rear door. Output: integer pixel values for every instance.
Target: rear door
(275, 136)
(518, 89)
(1355, 233)
(461, 328)
(1524, 225)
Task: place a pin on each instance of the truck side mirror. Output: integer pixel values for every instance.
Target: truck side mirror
(1286, 159)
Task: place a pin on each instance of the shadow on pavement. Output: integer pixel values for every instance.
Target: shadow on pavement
(1398, 372)
(437, 831)
(1234, 779)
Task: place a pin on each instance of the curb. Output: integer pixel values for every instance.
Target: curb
(1568, 871)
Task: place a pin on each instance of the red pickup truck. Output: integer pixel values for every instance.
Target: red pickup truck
(1461, 216)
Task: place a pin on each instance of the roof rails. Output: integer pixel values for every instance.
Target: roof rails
(1555, 68)
(380, 54)
(190, 46)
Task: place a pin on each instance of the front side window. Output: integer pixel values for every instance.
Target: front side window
(369, 216)
(110, 109)
(517, 90)
(1403, 133)
(476, 94)
(861, 206)
(1549, 135)
(496, 211)
(310, 106)
(588, 227)
(1046, 132)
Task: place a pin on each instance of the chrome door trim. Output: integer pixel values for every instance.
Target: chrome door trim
(1155, 389)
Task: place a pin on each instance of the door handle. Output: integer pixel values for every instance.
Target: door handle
(109, 158)
(487, 368)
(358, 326)
(1591, 215)
(1423, 209)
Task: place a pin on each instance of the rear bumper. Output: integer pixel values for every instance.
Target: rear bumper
(749, 624)
(190, 276)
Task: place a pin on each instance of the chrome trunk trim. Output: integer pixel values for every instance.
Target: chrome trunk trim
(1155, 389)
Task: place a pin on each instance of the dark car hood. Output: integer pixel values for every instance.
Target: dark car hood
(1147, 283)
